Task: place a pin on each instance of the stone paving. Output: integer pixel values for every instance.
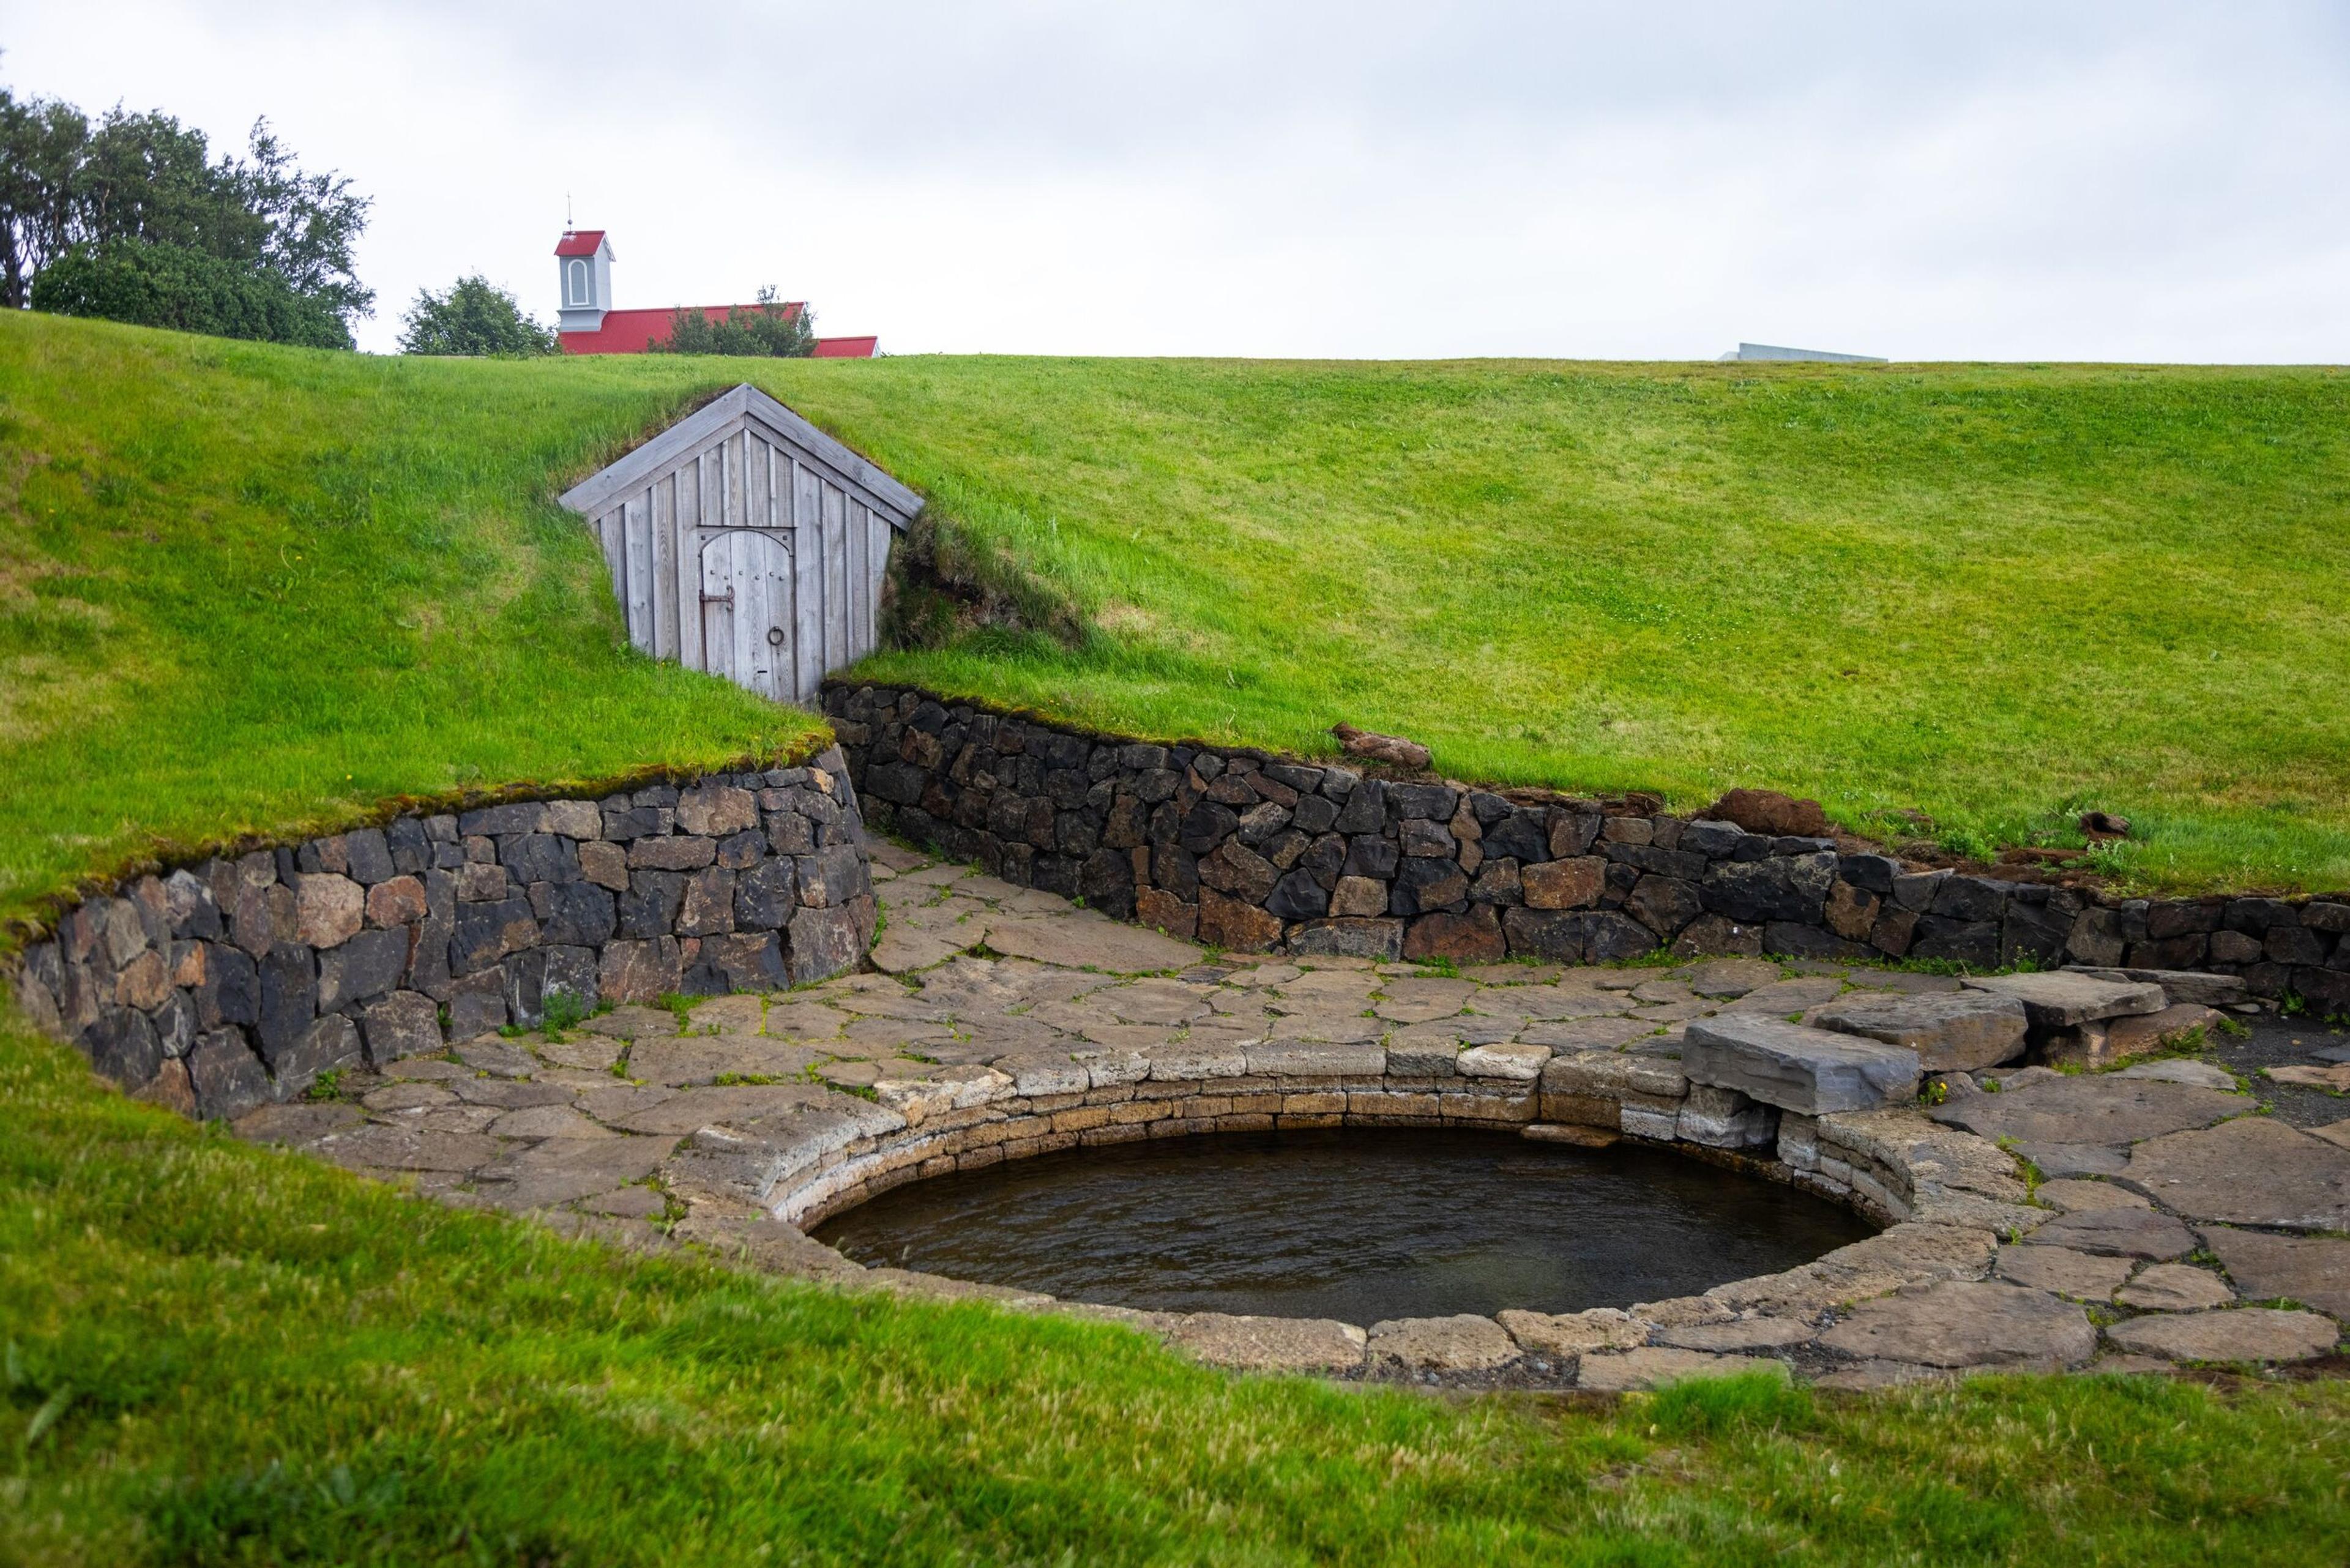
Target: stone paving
(2173, 1227)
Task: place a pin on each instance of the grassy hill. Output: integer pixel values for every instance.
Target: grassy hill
(253, 589)
(249, 589)
(1996, 594)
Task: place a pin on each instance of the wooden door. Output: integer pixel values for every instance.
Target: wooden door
(746, 612)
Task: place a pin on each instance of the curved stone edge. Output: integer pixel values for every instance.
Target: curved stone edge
(1946, 1198)
(1257, 853)
(221, 986)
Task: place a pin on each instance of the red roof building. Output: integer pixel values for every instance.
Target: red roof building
(586, 322)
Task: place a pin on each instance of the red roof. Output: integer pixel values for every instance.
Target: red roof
(636, 331)
(579, 241)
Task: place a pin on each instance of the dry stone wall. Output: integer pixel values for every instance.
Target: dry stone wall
(221, 986)
(1256, 853)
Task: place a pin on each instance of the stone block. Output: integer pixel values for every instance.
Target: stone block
(225, 1076)
(405, 1023)
(1464, 1342)
(1950, 1032)
(1795, 1068)
(2060, 999)
(1471, 938)
(1350, 938)
(1725, 1118)
(1229, 923)
(328, 909)
(1570, 883)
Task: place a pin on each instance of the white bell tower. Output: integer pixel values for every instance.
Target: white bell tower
(584, 262)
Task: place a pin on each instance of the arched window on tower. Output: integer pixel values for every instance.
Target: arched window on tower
(576, 285)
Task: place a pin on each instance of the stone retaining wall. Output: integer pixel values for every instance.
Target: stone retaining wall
(1255, 854)
(223, 985)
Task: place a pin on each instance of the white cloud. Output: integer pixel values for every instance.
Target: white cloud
(2139, 181)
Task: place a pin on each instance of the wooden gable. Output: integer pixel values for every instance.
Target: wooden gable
(745, 542)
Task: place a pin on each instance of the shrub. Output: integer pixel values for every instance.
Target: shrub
(771, 329)
(474, 316)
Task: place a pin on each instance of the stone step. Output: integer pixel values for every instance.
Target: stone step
(1955, 1032)
(2179, 984)
(1796, 1067)
(2065, 999)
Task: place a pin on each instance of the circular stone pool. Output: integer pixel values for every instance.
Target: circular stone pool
(1357, 1225)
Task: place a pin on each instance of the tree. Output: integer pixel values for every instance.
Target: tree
(151, 285)
(769, 330)
(69, 185)
(474, 316)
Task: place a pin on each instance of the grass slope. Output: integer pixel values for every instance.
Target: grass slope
(253, 589)
(217, 1353)
(248, 589)
(1995, 594)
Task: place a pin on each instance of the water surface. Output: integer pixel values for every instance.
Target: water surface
(1359, 1224)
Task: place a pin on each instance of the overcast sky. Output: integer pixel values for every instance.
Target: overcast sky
(2137, 181)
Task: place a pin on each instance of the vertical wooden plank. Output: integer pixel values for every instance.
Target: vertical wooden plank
(638, 524)
(776, 563)
(687, 508)
(717, 613)
(859, 609)
(836, 577)
(616, 553)
(732, 449)
(689, 573)
(664, 515)
(876, 567)
(808, 580)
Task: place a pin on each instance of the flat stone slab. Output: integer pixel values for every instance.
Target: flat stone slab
(1809, 1070)
(2175, 1287)
(563, 1171)
(1463, 1342)
(2182, 1070)
(2179, 984)
(1656, 1365)
(2312, 1270)
(1951, 1034)
(1098, 944)
(1569, 1334)
(2106, 1111)
(1269, 1344)
(1743, 1333)
(2070, 1197)
(1731, 977)
(697, 1061)
(2064, 998)
(2254, 1170)
(1963, 1323)
(2117, 1233)
(2243, 1334)
(904, 949)
(2080, 1275)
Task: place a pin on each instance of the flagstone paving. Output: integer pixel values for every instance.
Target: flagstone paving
(2171, 1211)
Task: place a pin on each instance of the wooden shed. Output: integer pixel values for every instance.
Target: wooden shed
(747, 541)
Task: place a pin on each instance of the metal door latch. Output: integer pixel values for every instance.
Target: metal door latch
(774, 637)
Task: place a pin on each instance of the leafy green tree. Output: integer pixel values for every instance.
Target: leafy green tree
(769, 330)
(151, 285)
(473, 316)
(71, 185)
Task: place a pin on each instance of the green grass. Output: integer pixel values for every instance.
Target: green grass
(216, 1354)
(255, 590)
(243, 587)
(1997, 595)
